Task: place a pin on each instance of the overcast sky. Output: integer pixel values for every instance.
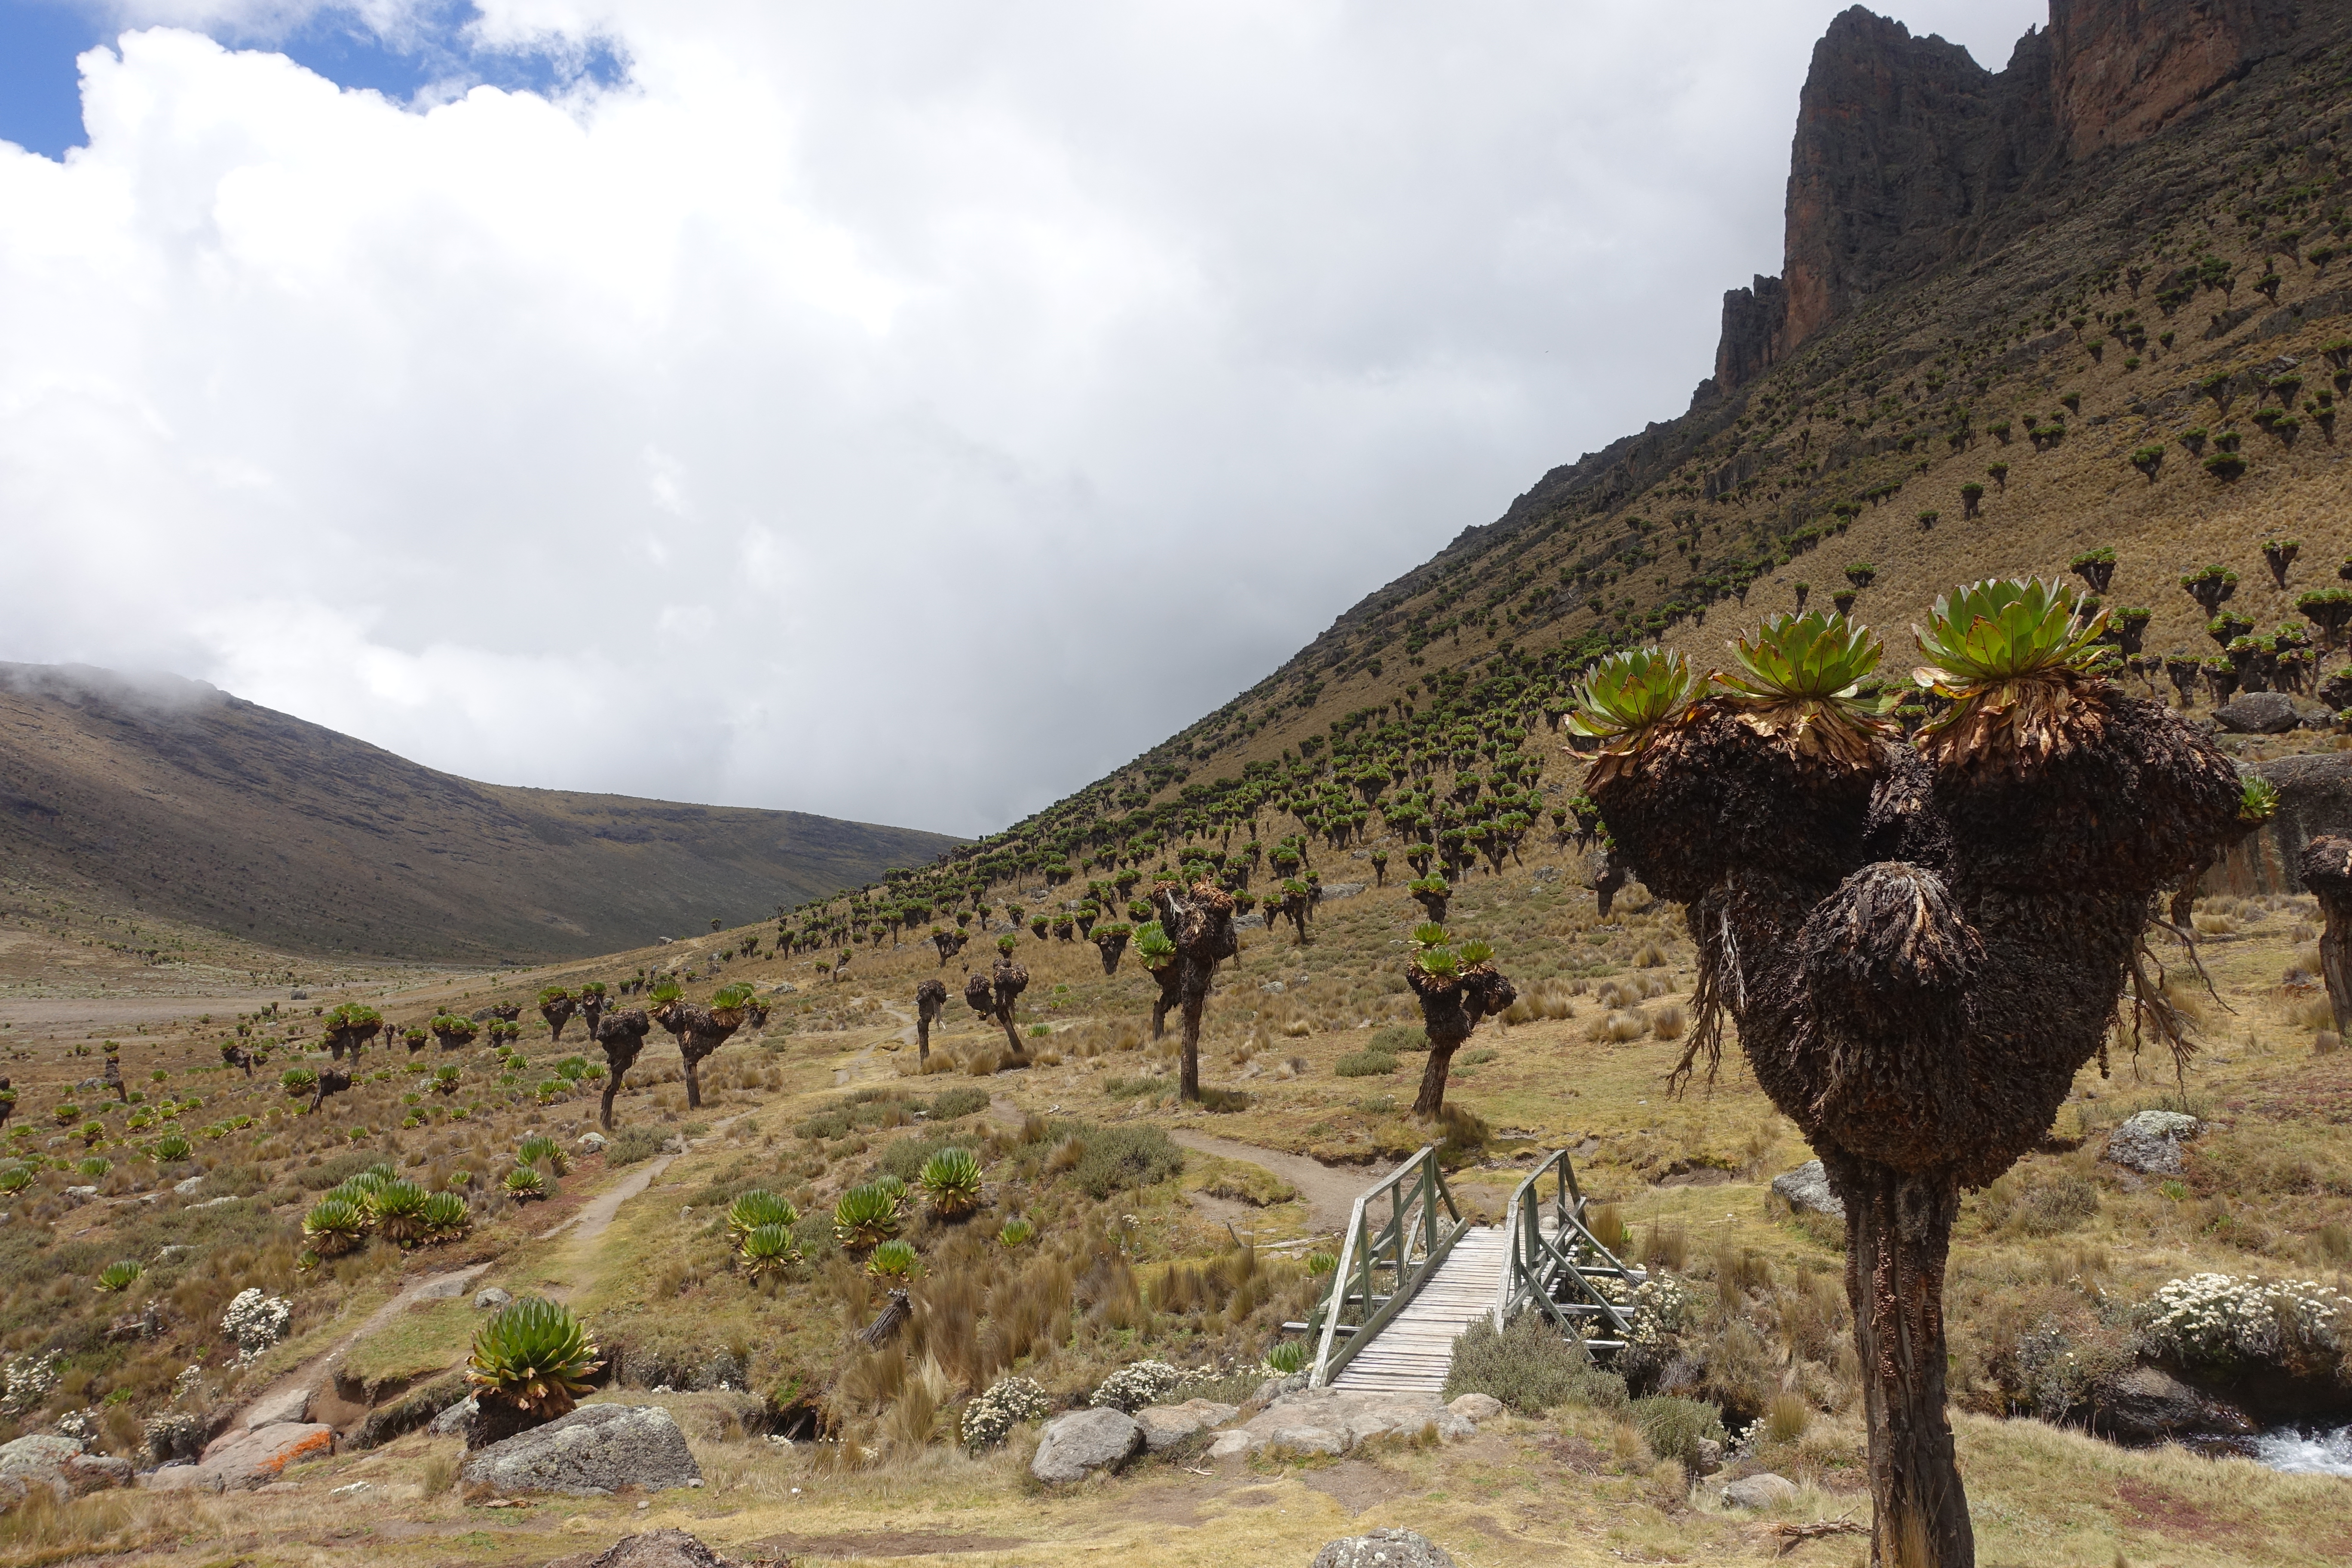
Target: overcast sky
(906, 413)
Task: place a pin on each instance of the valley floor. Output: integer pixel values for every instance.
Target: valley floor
(2268, 1192)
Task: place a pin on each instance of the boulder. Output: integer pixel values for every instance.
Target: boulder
(491, 1300)
(1343, 890)
(188, 1188)
(278, 1407)
(2258, 713)
(1760, 1492)
(1383, 1549)
(2149, 1141)
(2146, 1404)
(1334, 1420)
(594, 1452)
(452, 1422)
(1230, 1445)
(37, 1461)
(593, 1142)
(1475, 1406)
(247, 1459)
(1807, 1190)
(654, 1548)
(448, 1287)
(86, 1473)
(181, 1479)
(1165, 1425)
(1076, 1444)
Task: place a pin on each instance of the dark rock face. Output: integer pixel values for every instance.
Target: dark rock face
(1909, 154)
(595, 1451)
(2314, 798)
(2146, 1405)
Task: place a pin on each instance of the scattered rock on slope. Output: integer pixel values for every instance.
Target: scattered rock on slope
(2150, 1142)
(1076, 1445)
(1383, 1549)
(596, 1450)
(1807, 1190)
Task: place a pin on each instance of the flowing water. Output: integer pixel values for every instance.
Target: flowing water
(2309, 1451)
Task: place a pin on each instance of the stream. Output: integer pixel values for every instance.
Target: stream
(2307, 1451)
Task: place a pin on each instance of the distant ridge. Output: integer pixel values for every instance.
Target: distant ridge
(175, 797)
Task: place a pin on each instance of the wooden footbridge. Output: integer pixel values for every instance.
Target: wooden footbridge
(1413, 1274)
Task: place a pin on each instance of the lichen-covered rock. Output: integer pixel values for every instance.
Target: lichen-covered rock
(1383, 1549)
(252, 1459)
(58, 1466)
(1760, 1492)
(1165, 1425)
(654, 1548)
(1475, 1406)
(1076, 1445)
(2150, 1142)
(1334, 1420)
(1807, 1190)
(593, 1452)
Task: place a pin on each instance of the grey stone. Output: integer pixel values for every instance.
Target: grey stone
(595, 1451)
(181, 1479)
(658, 1549)
(1707, 1458)
(1230, 1445)
(1477, 1407)
(81, 1194)
(257, 1457)
(491, 1298)
(1343, 890)
(2258, 713)
(278, 1407)
(1546, 873)
(1807, 1190)
(1760, 1492)
(1383, 1549)
(1250, 921)
(1084, 1441)
(1272, 988)
(593, 1142)
(446, 1288)
(86, 1473)
(1304, 1418)
(1165, 1425)
(1308, 1440)
(187, 1189)
(2146, 1404)
(451, 1423)
(38, 1460)
(2149, 1141)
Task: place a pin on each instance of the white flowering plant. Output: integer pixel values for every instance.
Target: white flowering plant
(1138, 1384)
(2224, 1320)
(255, 1322)
(1009, 1401)
(1657, 1309)
(26, 1381)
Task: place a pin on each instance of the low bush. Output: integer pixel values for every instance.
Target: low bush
(1673, 1428)
(1365, 1064)
(631, 1144)
(950, 1104)
(1114, 1159)
(1398, 1037)
(1532, 1367)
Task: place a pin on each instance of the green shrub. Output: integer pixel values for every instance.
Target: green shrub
(1286, 1357)
(116, 1278)
(952, 1103)
(1365, 1064)
(631, 1144)
(1673, 1428)
(1532, 1367)
(752, 1209)
(1120, 1158)
(1398, 1037)
(864, 1216)
(533, 1355)
(334, 1225)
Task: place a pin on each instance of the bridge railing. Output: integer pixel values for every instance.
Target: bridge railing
(1399, 1230)
(1556, 1261)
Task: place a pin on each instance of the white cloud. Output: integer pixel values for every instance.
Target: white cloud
(900, 412)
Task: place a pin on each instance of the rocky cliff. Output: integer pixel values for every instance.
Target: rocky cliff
(1909, 154)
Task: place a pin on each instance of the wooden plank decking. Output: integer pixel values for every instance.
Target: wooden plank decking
(1415, 1351)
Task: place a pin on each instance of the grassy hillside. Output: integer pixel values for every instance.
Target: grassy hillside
(2150, 299)
(175, 800)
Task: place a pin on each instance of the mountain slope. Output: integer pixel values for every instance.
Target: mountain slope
(2021, 314)
(184, 801)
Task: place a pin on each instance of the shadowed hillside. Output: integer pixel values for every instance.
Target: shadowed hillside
(182, 801)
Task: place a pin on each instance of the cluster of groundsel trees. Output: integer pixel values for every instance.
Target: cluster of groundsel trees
(1921, 941)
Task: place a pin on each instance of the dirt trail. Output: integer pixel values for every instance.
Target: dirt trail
(286, 1397)
(1330, 1194)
